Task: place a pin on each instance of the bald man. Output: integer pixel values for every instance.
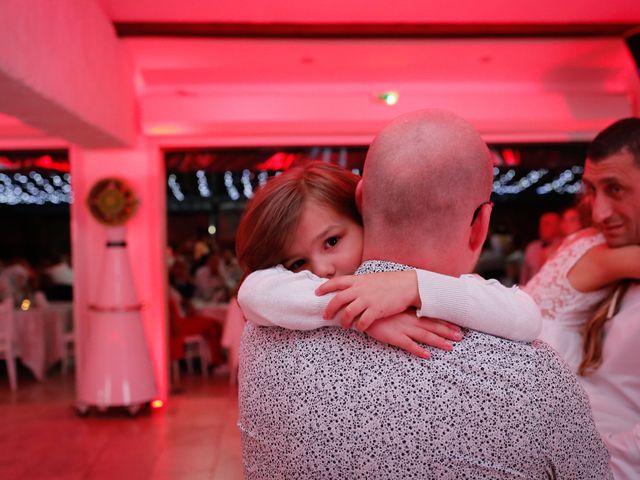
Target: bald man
(334, 404)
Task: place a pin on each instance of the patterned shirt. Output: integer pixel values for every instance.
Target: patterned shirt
(335, 404)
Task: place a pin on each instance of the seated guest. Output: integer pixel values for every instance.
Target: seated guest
(209, 285)
(539, 251)
(59, 279)
(570, 221)
(180, 279)
(14, 277)
(229, 270)
(331, 403)
(184, 322)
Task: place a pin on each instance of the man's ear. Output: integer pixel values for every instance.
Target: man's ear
(359, 196)
(480, 228)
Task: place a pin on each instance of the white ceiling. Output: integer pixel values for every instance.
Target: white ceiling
(240, 91)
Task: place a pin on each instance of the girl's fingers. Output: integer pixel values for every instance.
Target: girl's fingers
(431, 339)
(351, 312)
(337, 283)
(455, 329)
(408, 345)
(366, 319)
(441, 328)
(340, 300)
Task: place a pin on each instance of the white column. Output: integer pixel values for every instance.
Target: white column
(143, 168)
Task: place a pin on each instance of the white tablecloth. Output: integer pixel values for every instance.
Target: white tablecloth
(38, 334)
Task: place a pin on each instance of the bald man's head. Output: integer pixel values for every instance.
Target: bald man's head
(425, 174)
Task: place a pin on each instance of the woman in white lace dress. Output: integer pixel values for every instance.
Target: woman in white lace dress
(577, 288)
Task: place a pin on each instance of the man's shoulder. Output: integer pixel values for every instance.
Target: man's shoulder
(532, 362)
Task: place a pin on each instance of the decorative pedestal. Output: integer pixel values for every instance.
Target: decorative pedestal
(117, 369)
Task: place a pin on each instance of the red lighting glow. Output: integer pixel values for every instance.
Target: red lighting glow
(511, 157)
(157, 404)
(278, 161)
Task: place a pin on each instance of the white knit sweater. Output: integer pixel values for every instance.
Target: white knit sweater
(279, 297)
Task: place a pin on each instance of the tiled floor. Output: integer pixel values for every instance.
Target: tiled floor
(193, 437)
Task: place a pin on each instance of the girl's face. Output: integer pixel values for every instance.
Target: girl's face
(325, 242)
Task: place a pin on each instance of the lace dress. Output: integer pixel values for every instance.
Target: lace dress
(564, 309)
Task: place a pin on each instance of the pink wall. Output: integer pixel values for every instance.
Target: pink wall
(143, 168)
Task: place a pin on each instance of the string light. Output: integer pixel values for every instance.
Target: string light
(262, 178)
(203, 184)
(246, 183)
(174, 186)
(20, 178)
(232, 191)
(562, 184)
(342, 157)
(565, 183)
(506, 182)
(34, 189)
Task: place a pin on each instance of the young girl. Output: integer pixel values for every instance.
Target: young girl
(579, 283)
(304, 227)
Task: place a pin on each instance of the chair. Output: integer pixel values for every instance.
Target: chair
(66, 333)
(68, 351)
(196, 346)
(7, 340)
(188, 339)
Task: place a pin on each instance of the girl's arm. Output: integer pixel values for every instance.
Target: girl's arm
(277, 297)
(484, 305)
(468, 301)
(602, 266)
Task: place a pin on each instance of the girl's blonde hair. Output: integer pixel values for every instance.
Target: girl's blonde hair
(593, 330)
(274, 212)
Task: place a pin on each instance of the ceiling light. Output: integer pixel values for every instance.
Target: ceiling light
(389, 98)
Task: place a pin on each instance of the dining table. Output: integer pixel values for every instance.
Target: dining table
(39, 335)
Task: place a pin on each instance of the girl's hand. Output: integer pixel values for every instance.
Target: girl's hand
(366, 298)
(404, 330)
